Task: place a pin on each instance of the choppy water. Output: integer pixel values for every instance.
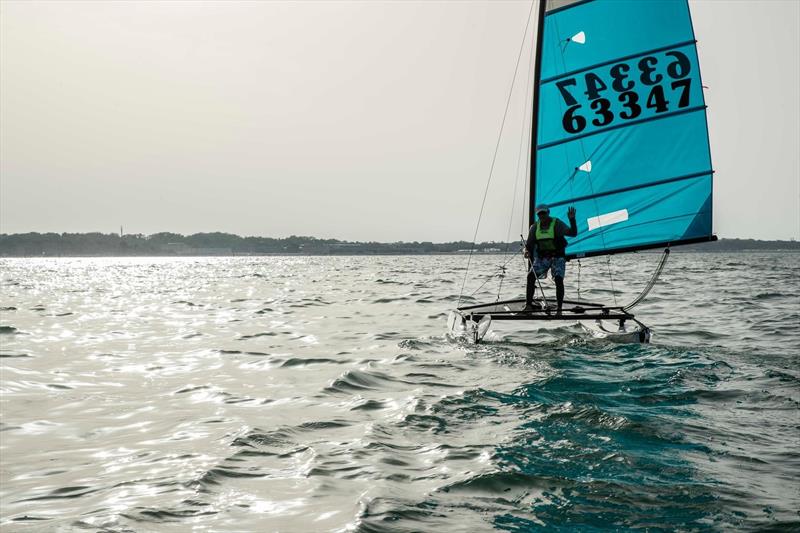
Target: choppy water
(321, 394)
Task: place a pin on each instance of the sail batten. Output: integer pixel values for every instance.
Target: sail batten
(620, 124)
(628, 189)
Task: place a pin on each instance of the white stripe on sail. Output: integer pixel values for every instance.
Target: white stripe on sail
(607, 219)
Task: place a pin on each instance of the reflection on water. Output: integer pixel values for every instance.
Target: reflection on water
(322, 394)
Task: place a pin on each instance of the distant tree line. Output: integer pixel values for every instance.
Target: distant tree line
(109, 244)
(740, 245)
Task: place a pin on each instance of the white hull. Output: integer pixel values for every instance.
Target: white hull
(461, 326)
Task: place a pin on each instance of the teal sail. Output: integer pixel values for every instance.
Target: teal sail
(620, 125)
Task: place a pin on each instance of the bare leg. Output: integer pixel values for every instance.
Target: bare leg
(559, 293)
(530, 288)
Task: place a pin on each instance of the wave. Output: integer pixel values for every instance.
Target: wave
(360, 380)
(190, 509)
(391, 300)
(62, 493)
(257, 335)
(12, 355)
(241, 352)
(301, 362)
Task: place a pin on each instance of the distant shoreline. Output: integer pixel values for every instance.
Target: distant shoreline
(352, 254)
(227, 245)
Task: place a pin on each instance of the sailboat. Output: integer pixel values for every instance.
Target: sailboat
(619, 131)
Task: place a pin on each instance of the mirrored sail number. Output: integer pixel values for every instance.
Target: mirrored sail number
(621, 85)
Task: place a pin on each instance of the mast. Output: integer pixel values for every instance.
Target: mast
(537, 76)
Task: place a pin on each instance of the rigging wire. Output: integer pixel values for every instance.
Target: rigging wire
(522, 144)
(494, 157)
(650, 284)
(501, 273)
(589, 176)
(610, 274)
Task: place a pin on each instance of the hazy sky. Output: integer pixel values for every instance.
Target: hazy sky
(354, 120)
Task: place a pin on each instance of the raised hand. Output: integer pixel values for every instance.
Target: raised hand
(571, 212)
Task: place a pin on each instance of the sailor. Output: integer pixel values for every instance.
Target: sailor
(547, 243)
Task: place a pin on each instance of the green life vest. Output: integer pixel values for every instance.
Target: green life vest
(546, 239)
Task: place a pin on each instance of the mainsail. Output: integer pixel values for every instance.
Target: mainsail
(620, 124)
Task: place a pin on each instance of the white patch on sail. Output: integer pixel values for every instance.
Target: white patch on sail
(607, 219)
(579, 38)
(586, 167)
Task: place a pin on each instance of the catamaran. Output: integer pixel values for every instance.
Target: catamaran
(619, 131)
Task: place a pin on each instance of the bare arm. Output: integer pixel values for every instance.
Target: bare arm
(572, 231)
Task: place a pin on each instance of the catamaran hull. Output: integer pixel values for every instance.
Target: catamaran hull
(473, 322)
(598, 330)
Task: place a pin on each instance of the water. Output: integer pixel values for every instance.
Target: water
(321, 394)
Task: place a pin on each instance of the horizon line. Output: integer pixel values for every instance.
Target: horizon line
(311, 237)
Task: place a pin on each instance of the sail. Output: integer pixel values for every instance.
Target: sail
(620, 124)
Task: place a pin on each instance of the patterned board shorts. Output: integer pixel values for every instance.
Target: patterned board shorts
(556, 265)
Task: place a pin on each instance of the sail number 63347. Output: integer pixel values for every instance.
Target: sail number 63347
(623, 78)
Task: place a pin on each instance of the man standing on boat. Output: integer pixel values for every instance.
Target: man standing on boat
(547, 244)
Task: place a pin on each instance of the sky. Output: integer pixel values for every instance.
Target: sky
(357, 120)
